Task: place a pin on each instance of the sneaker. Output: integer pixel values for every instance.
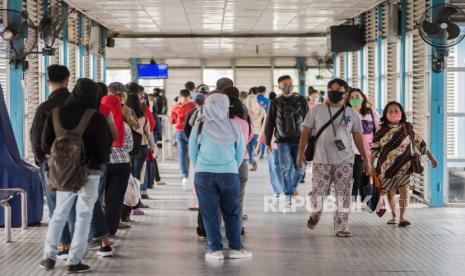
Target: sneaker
(142, 205)
(254, 166)
(124, 225)
(216, 255)
(145, 196)
(288, 201)
(62, 255)
(94, 245)
(193, 208)
(201, 234)
(47, 264)
(161, 183)
(240, 254)
(185, 180)
(105, 251)
(77, 268)
(137, 212)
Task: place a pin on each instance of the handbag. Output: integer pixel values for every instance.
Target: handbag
(310, 150)
(376, 203)
(417, 166)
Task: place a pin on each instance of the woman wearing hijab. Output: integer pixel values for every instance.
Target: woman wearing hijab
(216, 149)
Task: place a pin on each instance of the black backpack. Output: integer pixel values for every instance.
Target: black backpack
(289, 116)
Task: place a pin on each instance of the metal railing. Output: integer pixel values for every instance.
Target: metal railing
(5, 196)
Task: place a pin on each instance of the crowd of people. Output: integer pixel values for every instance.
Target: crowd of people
(92, 144)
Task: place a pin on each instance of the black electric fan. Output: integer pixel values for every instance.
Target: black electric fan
(20, 34)
(324, 63)
(50, 27)
(440, 27)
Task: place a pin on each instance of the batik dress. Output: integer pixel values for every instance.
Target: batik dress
(391, 154)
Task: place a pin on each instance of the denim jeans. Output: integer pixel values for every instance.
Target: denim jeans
(50, 198)
(251, 148)
(182, 141)
(98, 225)
(243, 178)
(262, 151)
(85, 200)
(219, 189)
(149, 176)
(274, 169)
(138, 161)
(287, 161)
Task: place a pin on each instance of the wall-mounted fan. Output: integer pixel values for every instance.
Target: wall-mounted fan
(50, 27)
(325, 63)
(440, 27)
(20, 33)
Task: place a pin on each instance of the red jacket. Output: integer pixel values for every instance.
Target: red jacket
(179, 114)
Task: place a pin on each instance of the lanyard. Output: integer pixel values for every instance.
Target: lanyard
(332, 121)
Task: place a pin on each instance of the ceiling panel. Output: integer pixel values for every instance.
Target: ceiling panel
(211, 17)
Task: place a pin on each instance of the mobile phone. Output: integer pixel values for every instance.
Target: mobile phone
(339, 145)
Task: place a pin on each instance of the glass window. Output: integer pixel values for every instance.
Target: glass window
(318, 78)
(150, 84)
(384, 80)
(456, 183)
(364, 80)
(120, 75)
(292, 72)
(77, 55)
(211, 75)
(350, 74)
(455, 124)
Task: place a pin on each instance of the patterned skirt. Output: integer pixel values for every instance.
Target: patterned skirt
(391, 184)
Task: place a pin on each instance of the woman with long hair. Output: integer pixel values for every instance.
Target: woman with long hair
(370, 122)
(391, 155)
(257, 116)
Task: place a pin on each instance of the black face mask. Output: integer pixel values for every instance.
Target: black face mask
(335, 96)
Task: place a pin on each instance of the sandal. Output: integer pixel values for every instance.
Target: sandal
(343, 234)
(311, 223)
(392, 221)
(404, 223)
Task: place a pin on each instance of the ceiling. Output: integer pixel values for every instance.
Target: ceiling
(219, 28)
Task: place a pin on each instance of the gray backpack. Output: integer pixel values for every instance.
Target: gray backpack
(67, 165)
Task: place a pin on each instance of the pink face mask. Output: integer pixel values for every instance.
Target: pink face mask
(394, 118)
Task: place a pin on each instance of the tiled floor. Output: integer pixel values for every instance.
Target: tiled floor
(163, 242)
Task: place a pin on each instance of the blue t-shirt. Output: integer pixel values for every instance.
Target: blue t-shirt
(263, 101)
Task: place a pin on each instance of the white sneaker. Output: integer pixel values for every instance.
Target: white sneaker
(241, 254)
(185, 180)
(216, 255)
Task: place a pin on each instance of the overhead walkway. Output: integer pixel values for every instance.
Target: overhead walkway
(163, 242)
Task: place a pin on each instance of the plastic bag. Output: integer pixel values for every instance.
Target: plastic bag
(132, 195)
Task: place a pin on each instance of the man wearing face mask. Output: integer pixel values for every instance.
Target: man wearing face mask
(284, 120)
(333, 155)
